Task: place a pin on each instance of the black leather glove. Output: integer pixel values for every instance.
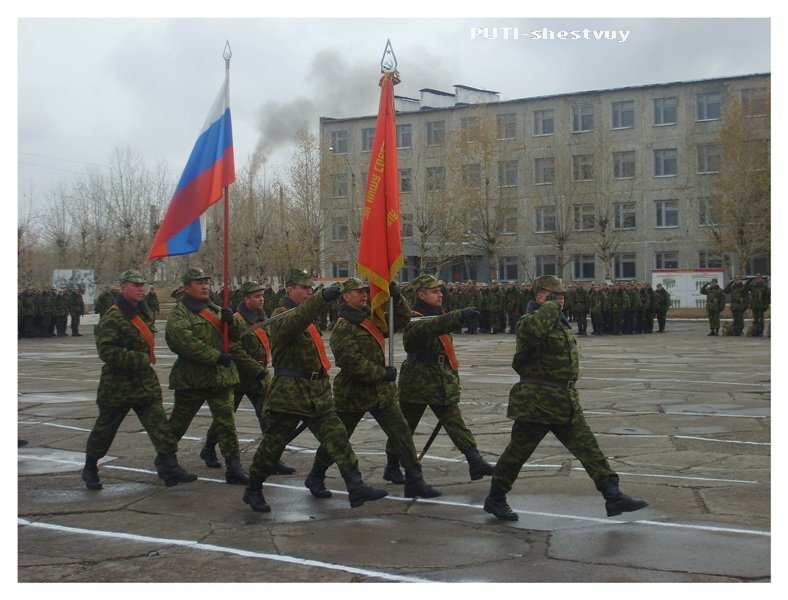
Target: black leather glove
(470, 313)
(262, 375)
(224, 359)
(394, 290)
(391, 374)
(332, 292)
(227, 316)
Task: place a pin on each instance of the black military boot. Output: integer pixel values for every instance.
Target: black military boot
(495, 503)
(359, 492)
(283, 469)
(477, 466)
(617, 502)
(234, 472)
(208, 454)
(415, 486)
(392, 471)
(170, 471)
(315, 481)
(90, 474)
(253, 495)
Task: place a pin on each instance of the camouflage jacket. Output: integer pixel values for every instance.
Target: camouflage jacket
(513, 301)
(76, 304)
(635, 302)
(662, 301)
(715, 297)
(738, 295)
(198, 345)
(547, 351)
(103, 302)
(61, 305)
(619, 300)
(127, 377)
(292, 348)
(28, 304)
(497, 300)
(359, 386)
(760, 295)
(45, 304)
(152, 300)
(248, 352)
(426, 377)
(581, 301)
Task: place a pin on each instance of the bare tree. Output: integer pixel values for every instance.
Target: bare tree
(309, 211)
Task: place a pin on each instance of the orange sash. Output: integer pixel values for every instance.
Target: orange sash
(212, 319)
(145, 332)
(448, 348)
(264, 340)
(318, 341)
(370, 326)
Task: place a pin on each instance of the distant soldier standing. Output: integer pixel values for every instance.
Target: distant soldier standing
(497, 306)
(128, 382)
(152, 300)
(513, 306)
(104, 301)
(738, 292)
(429, 376)
(545, 400)
(76, 307)
(661, 306)
(581, 303)
(715, 304)
(759, 300)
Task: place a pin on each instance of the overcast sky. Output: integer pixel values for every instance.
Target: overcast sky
(89, 86)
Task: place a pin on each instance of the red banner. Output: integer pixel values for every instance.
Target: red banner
(380, 246)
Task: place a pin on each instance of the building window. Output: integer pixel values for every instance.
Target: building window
(666, 260)
(546, 265)
(753, 101)
(582, 118)
(406, 220)
(544, 170)
(469, 129)
(709, 213)
(405, 181)
(340, 269)
(585, 217)
(624, 266)
(436, 179)
(338, 141)
(339, 188)
(509, 224)
(436, 133)
(624, 114)
(666, 111)
(667, 213)
(582, 167)
(709, 107)
(507, 268)
(367, 135)
(471, 176)
(338, 229)
(625, 215)
(507, 173)
(545, 219)
(506, 126)
(405, 135)
(624, 164)
(544, 123)
(711, 260)
(709, 158)
(583, 266)
(666, 162)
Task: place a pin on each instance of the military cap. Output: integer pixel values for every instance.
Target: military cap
(250, 287)
(193, 274)
(132, 277)
(714, 280)
(354, 283)
(425, 282)
(550, 283)
(299, 277)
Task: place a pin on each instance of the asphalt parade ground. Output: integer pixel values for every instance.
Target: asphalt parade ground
(685, 419)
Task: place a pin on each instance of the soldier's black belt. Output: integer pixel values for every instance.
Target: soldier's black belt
(437, 359)
(311, 375)
(564, 384)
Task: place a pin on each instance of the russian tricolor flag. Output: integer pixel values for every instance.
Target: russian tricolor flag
(209, 170)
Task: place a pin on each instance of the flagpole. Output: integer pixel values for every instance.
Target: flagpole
(388, 64)
(228, 53)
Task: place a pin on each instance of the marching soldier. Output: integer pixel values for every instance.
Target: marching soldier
(715, 304)
(545, 399)
(128, 382)
(759, 300)
(429, 374)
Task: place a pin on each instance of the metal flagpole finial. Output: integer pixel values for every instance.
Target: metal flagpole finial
(388, 64)
(228, 53)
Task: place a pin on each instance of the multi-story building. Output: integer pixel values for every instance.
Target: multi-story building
(588, 185)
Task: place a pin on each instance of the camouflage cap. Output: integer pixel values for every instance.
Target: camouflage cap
(354, 283)
(250, 287)
(425, 282)
(299, 277)
(551, 283)
(193, 274)
(132, 277)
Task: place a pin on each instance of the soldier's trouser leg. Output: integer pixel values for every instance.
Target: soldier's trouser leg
(738, 321)
(394, 425)
(104, 430)
(412, 413)
(525, 437)
(350, 420)
(27, 327)
(75, 323)
(578, 438)
(451, 418)
(581, 322)
(210, 436)
(220, 402)
(661, 318)
(757, 320)
(154, 420)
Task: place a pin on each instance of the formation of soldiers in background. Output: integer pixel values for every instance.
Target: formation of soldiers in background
(45, 312)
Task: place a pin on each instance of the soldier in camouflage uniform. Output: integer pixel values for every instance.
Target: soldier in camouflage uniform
(513, 304)
(545, 400)
(128, 382)
(661, 306)
(271, 301)
(365, 384)
(497, 306)
(45, 308)
(619, 303)
(61, 312)
(203, 371)
(76, 307)
(472, 297)
(580, 306)
(715, 304)
(429, 374)
(251, 354)
(301, 391)
(649, 307)
(28, 312)
(738, 292)
(104, 301)
(759, 300)
(631, 312)
(152, 300)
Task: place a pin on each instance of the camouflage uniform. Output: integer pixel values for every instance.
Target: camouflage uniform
(152, 300)
(759, 300)
(497, 306)
(715, 304)
(61, 313)
(45, 308)
(581, 302)
(473, 298)
(28, 312)
(649, 308)
(513, 306)
(661, 306)
(103, 302)
(738, 292)
(619, 303)
(545, 400)
(76, 306)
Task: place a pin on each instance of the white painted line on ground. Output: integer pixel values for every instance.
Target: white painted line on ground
(673, 381)
(692, 414)
(294, 560)
(692, 437)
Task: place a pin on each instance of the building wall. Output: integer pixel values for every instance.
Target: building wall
(686, 187)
